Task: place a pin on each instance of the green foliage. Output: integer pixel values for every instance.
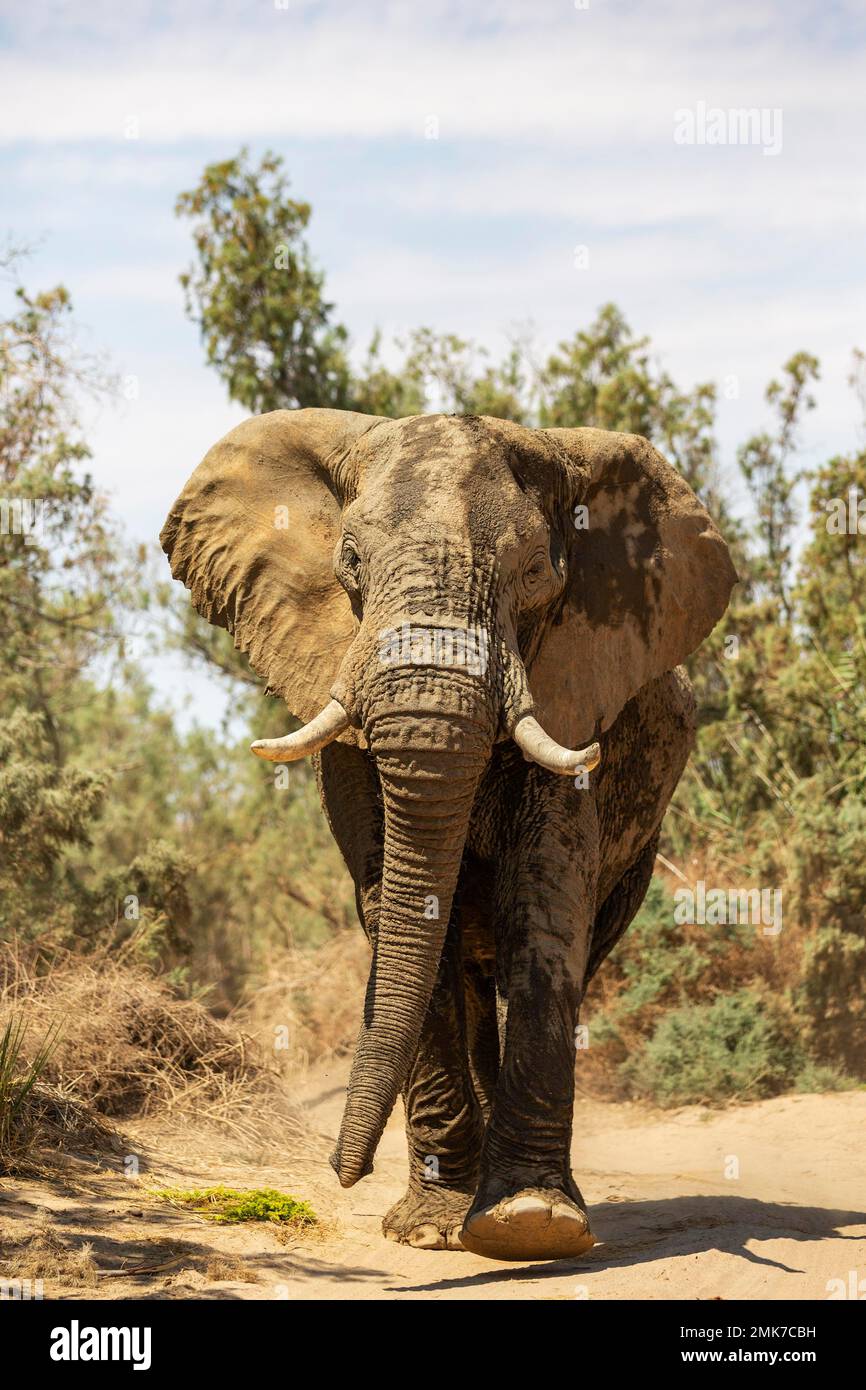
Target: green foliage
(765, 462)
(64, 589)
(446, 373)
(379, 391)
(227, 1206)
(741, 1046)
(605, 377)
(254, 292)
(832, 579)
(658, 962)
(43, 809)
(832, 996)
(776, 791)
(61, 578)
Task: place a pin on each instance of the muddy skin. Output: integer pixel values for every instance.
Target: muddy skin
(490, 887)
(533, 871)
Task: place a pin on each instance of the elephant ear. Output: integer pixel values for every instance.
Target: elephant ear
(649, 576)
(252, 536)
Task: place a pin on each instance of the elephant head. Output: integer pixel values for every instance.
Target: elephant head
(428, 587)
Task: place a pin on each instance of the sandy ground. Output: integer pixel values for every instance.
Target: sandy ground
(765, 1201)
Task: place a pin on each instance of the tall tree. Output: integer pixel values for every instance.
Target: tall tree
(65, 581)
(61, 569)
(767, 464)
(254, 292)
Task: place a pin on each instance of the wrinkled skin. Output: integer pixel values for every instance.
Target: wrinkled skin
(490, 887)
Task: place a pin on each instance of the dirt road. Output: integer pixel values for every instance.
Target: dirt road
(761, 1201)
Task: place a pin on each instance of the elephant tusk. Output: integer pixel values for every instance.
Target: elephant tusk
(539, 747)
(320, 731)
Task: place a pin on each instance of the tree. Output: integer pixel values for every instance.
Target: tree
(255, 293)
(66, 587)
(60, 566)
(832, 571)
(605, 377)
(766, 463)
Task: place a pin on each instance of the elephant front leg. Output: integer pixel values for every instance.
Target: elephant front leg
(527, 1205)
(444, 1124)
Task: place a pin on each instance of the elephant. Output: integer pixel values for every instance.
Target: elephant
(480, 627)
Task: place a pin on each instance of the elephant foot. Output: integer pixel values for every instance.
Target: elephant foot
(533, 1224)
(429, 1219)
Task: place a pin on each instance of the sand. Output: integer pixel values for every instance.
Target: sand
(761, 1201)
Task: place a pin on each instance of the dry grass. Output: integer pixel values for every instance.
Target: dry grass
(46, 1254)
(52, 1124)
(309, 1006)
(221, 1269)
(128, 1048)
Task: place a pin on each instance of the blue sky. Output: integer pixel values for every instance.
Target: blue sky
(555, 130)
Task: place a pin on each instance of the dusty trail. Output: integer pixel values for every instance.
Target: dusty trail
(670, 1224)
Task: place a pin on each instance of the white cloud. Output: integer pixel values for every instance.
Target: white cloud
(576, 78)
(813, 190)
(148, 284)
(133, 165)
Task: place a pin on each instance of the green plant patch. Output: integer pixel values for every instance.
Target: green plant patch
(743, 1046)
(228, 1205)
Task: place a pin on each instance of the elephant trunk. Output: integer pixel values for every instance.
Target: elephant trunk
(428, 783)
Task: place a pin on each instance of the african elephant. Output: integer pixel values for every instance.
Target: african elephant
(454, 605)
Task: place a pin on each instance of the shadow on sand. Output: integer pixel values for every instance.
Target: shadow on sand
(633, 1233)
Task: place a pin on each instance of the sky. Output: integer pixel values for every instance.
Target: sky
(456, 156)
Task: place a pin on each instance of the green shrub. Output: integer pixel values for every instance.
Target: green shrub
(227, 1205)
(740, 1046)
(832, 995)
(814, 1078)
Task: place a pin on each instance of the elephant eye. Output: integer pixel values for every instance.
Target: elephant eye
(535, 571)
(350, 561)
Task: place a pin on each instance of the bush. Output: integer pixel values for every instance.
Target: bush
(124, 1046)
(741, 1046)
